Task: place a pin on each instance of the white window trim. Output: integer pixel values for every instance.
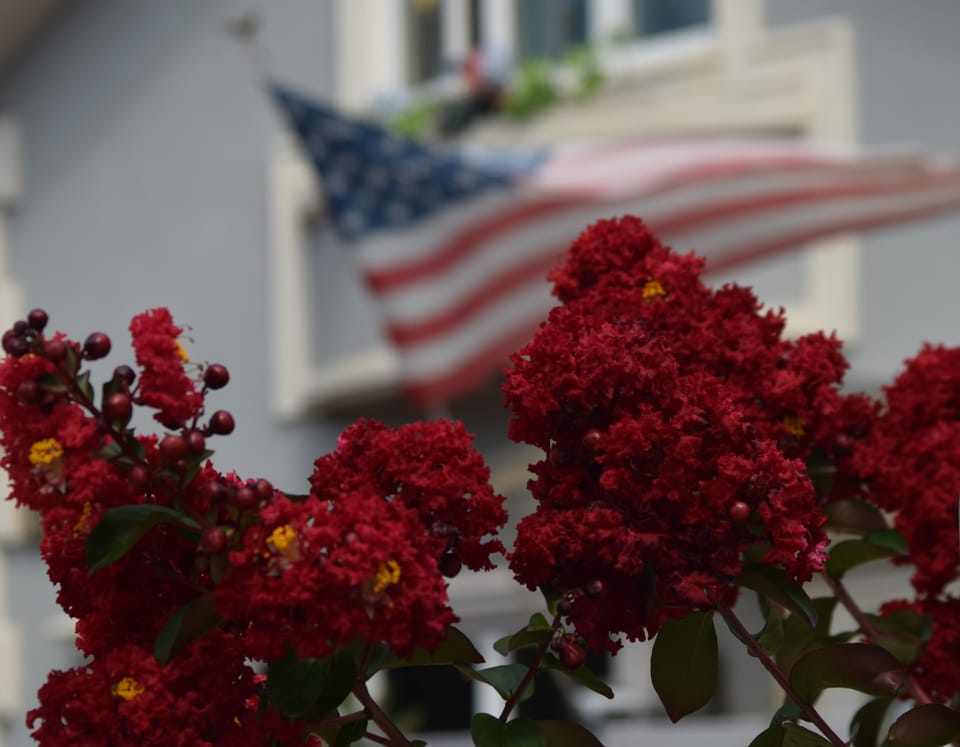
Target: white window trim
(799, 78)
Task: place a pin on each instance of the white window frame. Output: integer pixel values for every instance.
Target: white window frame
(740, 78)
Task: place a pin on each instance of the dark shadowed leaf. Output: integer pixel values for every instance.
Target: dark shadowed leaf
(683, 665)
(858, 517)
(851, 553)
(487, 730)
(193, 620)
(122, 527)
(771, 637)
(796, 736)
(858, 666)
(889, 538)
(523, 732)
(931, 725)
(455, 648)
(771, 737)
(308, 688)
(567, 734)
(581, 675)
(777, 587)
(867, 721)
(799, 637)
(504, 679)
(535, 633)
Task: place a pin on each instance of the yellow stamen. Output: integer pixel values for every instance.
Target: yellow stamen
(388, 574)
(181, 351)
(127, 689)
(282, 539)
(45, 452)
(794, 425)
(84, 518)
(653, 289)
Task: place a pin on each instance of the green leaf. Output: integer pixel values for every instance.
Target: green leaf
(455, 648)
(523, 732)
(855, 516)
(889, 538)
(771, 737)
(53, 383)
(487, 730)
(567, 734)
(192, 621)
(796, 736)
(535, 633)
(931, 725)
(581, 675)
(308, 688)
(771, 637)
(799, 637)
(350, 733)
(683, 664)
(551, 596)
(111, 451)
(903, 633)
(851, 553)
(505, 679)
(866, 722)
(775, 585)
(858, 666)
(122, 527)
(83, 382)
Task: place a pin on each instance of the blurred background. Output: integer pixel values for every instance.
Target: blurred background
(143, 163)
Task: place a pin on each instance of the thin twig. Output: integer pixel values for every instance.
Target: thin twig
(515, 697)
(775, 671)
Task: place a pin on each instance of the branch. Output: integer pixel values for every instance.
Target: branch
(771, 666)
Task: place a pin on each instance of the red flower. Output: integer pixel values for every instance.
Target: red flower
(319, 574)
(163, 384)
(432, 469)
(668, 413)
(126, 697)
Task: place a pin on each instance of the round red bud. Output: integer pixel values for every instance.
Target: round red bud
(245, 497)
(594, 588)
(221, 423)
(118, 407)
(196, 442)
(591, 439)
(96, 346)
(264, 489)
(37, 319)
(55, 349)
(558, 456)
(564, 606)
(124, 374)
(213, 540)
(28, 391)
(173, 447)
(739, 512)
(216, 376)
(14, 344)
(450, 564)
(139, 477)
(572, 656)
(20, 327)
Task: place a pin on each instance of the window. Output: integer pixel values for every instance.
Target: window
(425, 57)
(658, 16)
(548, 28)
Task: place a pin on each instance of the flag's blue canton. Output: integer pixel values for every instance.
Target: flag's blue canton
(373, 180)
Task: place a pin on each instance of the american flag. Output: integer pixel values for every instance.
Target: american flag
(456, 246)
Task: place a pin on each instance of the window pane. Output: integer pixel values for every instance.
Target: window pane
(656, 16)
(423, 39)
(548, 28)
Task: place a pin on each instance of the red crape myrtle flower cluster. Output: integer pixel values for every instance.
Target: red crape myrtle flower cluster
(205, 573)
(674, 420)
(910, 466)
